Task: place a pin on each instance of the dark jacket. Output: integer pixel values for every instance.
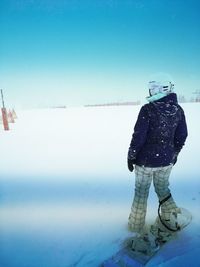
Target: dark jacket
(159, 133)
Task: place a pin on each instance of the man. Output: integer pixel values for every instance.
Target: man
(159, 135)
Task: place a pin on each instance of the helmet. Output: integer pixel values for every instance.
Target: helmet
(165, 87)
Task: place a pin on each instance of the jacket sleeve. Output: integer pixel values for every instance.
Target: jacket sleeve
(139, 134)
(181, 134)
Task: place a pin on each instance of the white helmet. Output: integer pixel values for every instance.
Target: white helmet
(165, 87)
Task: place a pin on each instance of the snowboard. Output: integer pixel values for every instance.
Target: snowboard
(138, 250)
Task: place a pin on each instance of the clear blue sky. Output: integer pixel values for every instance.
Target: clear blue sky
(55, 52)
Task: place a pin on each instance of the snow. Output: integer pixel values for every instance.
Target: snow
(66, 192)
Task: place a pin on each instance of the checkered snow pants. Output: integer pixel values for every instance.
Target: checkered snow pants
(143, 179)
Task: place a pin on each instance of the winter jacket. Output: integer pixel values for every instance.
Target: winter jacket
(159, 133)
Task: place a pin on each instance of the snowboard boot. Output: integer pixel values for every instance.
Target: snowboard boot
(145, 243)
(162, 233)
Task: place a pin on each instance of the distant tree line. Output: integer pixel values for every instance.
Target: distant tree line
(128, 103)
(196, 98)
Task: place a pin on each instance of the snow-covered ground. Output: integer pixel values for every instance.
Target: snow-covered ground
(66, 192)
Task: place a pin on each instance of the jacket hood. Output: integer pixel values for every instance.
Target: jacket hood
(167, 105)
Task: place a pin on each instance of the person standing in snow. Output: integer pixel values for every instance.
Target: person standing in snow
(159, 135)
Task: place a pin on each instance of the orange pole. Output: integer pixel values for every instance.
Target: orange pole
(4, 114)
(5, 119)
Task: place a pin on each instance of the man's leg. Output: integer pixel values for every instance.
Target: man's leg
(161, 184)
(143, 178)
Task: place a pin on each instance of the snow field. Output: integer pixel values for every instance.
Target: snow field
(66, 193)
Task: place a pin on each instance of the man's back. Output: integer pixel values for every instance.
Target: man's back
(159, 133)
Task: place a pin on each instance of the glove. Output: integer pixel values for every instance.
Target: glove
(130, 165)
(175, 158)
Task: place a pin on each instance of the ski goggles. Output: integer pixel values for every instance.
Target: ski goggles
(157, 87)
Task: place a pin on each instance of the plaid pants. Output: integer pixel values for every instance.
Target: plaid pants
(143, 179)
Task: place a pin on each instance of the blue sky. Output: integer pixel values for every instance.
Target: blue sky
(85, 52)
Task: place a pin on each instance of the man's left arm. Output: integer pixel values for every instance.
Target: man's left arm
(138, 137)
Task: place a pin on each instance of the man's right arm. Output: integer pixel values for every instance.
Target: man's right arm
(181, 134)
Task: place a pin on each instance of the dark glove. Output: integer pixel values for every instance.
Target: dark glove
(175, 158)
(130, 165)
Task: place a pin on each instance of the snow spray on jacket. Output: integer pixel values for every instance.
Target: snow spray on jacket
(159, 133)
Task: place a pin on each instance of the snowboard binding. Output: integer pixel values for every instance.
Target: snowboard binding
(179, 218)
